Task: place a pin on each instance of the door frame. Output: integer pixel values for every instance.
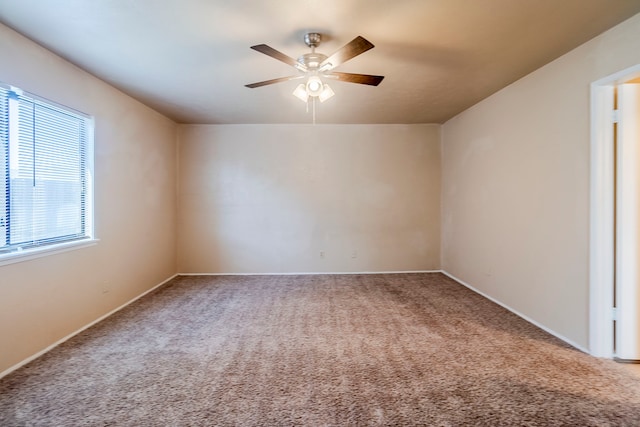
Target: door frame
(601, 239)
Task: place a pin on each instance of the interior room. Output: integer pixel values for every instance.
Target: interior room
(468, 167)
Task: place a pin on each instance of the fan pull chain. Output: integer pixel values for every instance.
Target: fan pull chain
(314, 109)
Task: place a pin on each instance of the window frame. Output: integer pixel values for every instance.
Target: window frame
(25, 254)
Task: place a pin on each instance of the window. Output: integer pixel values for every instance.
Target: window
(46, 193)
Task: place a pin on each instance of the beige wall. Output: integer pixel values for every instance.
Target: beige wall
(270, 198)
(516, 186)
(45, 299)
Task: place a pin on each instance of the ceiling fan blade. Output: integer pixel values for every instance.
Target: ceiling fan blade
(354, 48)
(269, 51)
(272, 81)
(364, 79)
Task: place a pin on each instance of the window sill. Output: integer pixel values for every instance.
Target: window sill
(30, 254)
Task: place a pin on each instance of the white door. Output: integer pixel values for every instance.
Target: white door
(627, 264)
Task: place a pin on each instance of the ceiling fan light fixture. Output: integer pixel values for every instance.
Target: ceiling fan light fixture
(326, 93)
(314, 86)
(301, 93)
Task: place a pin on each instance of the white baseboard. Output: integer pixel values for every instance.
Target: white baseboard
(71, 335)
(310, 273)
(528, 319)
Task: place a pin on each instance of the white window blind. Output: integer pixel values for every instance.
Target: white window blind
(44, 161)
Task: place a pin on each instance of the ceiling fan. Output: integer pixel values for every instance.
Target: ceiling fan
(316, 66)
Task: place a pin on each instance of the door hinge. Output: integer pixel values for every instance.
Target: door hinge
(615, 116)
(614, 313)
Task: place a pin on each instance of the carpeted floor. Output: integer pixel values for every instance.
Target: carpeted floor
(327, 350)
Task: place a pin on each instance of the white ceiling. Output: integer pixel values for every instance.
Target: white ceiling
(190, 59)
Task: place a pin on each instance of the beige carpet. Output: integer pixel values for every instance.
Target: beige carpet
(405, 349)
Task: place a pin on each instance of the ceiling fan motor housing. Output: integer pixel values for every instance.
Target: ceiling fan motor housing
(312, 60)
